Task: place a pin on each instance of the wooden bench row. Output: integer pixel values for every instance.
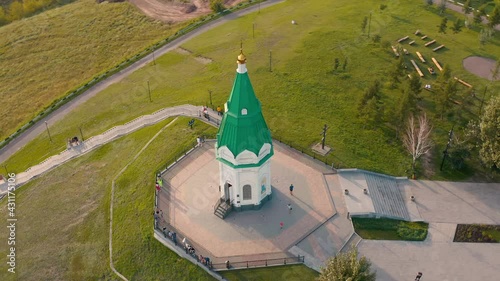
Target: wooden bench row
(420, 57)
(437, 48)
(403, 39)
(395, 51)
(417, 68)
(463, 82)
(430, 43)
(437, 64)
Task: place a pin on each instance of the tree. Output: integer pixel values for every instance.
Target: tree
(401, 111)
(494, 18)
(477, 17)
(347, 266)
(336, 64)
(442, 26)
(3, 16)
(467, 9)
(372, 91)
(417, 140)
(447, 93)
(364, 23)
(485, 35)
(344, 66)
(397, 71)
(489, 151)
(16, 11)
(444, 76)
(495, 72)
(457, 26)
(217, 5)
(415, 88)
(442, 6)
(429, 2)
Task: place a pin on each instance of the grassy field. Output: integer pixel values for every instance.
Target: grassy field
(305, 92)
(289, 273)
(62, 230)
(389, 229)
(45, 56)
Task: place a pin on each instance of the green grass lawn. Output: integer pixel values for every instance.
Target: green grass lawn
(302, 93)
(289, 273)
(63, 217)
(389, 229)
(45, 56)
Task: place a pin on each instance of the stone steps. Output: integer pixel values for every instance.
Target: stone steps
(386, 196)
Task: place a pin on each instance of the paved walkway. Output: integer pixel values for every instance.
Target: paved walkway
(106, 137)
(444, 205)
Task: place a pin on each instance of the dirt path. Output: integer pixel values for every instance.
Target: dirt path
(173, 11)
(60, 113)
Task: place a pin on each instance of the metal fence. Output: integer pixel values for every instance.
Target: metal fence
(257, 263)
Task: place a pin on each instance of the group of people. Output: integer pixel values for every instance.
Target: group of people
(204, 260)
(172, 235)
(187, 247)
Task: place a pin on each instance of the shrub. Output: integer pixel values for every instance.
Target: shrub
(217, 6)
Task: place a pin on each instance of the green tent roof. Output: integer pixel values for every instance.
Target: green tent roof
(243, 126)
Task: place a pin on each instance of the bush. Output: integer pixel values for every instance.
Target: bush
(376, 38)
(412, 232)
(217, 6)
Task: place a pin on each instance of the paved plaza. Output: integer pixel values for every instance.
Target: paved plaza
(318, 227)
(191, 190)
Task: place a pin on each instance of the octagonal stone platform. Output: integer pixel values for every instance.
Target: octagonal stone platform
(191, 189)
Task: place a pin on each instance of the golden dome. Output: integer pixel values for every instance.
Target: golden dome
(241, 58)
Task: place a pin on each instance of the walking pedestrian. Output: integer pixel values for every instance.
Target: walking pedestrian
(291, 189)
(158, 188)
(289, 208)
(281, 225)
(418, 276)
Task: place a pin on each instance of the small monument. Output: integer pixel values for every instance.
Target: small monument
(320, 148)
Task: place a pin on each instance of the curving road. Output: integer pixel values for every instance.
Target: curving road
(59, 114)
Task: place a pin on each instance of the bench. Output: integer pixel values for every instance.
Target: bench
(430, 43)
(420, 57)
(411, 42)
(463, 82)
(423, 37)
(395, 51)
(403, 39)
(437, 48)
(417, 32)
(417, 68)
(437, 64)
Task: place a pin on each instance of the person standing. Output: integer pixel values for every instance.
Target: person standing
(289, 208)
(281, 225)
(291, 189)
(219, 110)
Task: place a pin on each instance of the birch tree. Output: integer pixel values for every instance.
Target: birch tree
(417, 139)
(347, 267)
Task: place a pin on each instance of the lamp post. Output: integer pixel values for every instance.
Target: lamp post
(81, 134)
(324, 137)
(48, 132)
(445, 152)
(149, 92)
(210, 96)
